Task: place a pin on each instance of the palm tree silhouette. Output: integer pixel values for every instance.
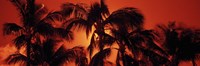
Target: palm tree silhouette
(62, 55)
(45, 55)
(181, 43)
(126, 20)
(91, 16)
(35, 29)
(141, 43)
(101, 55)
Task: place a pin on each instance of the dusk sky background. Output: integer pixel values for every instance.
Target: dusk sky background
(154, 11)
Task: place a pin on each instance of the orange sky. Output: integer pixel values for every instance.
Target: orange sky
(155, 12)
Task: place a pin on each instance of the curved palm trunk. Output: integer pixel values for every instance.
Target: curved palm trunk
(122, 51)
(100, 42)
(28, 51)
(28, 48)
(124, 58)
(101, 47)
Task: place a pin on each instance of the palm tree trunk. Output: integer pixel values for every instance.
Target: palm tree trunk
(124, 59)
(28, 54)
(122, 50)
(193, 62)
(28, 51)
(101, 46)
(31, 8)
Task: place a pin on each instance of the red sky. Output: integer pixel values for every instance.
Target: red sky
(155, 12)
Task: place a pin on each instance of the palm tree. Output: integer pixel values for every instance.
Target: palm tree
(62, 55)
(181, 43)
(101, 55)
(127, 31)
(34, 29)
(141, 43)
(126, 19)
(45, 55)
(90, 16)
(95, 16)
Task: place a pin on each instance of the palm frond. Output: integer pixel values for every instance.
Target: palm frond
(41, 10)
(48, 48)
(79, 51)
(14, 58)
(76, 22)
(53, 16)
(44, 29)
(170, 38)
(67, 9)
(98, 59)
(36, 54)
(104, 8)
(150, 35)
(21, 6)
(61, 56)
(107, 39)
(81, 59)
(126, 17)
(80, 24)
(20, 41)
(63, 33)
(88, 30)
(172, 25)
(188, 45)
(11, 28)
(119, 34)
(196, 40)
(80, 11)
(95, 13)
(155, 58)
(147, 37)
(131, 61)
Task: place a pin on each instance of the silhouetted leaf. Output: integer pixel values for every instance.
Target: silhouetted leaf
(104, 8)
(77, 22)
(20, 41)
(11, 28)
(61, 56)
(126, 17)
(44, 29)
(41, 10)
(66, 34)
(67, 9)
(98, 59)
(107, 39)
(95, 13)
(81, 59)
(155, 58)
(53, 17)
(21, 7)
(14, 58)
(36, 54)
